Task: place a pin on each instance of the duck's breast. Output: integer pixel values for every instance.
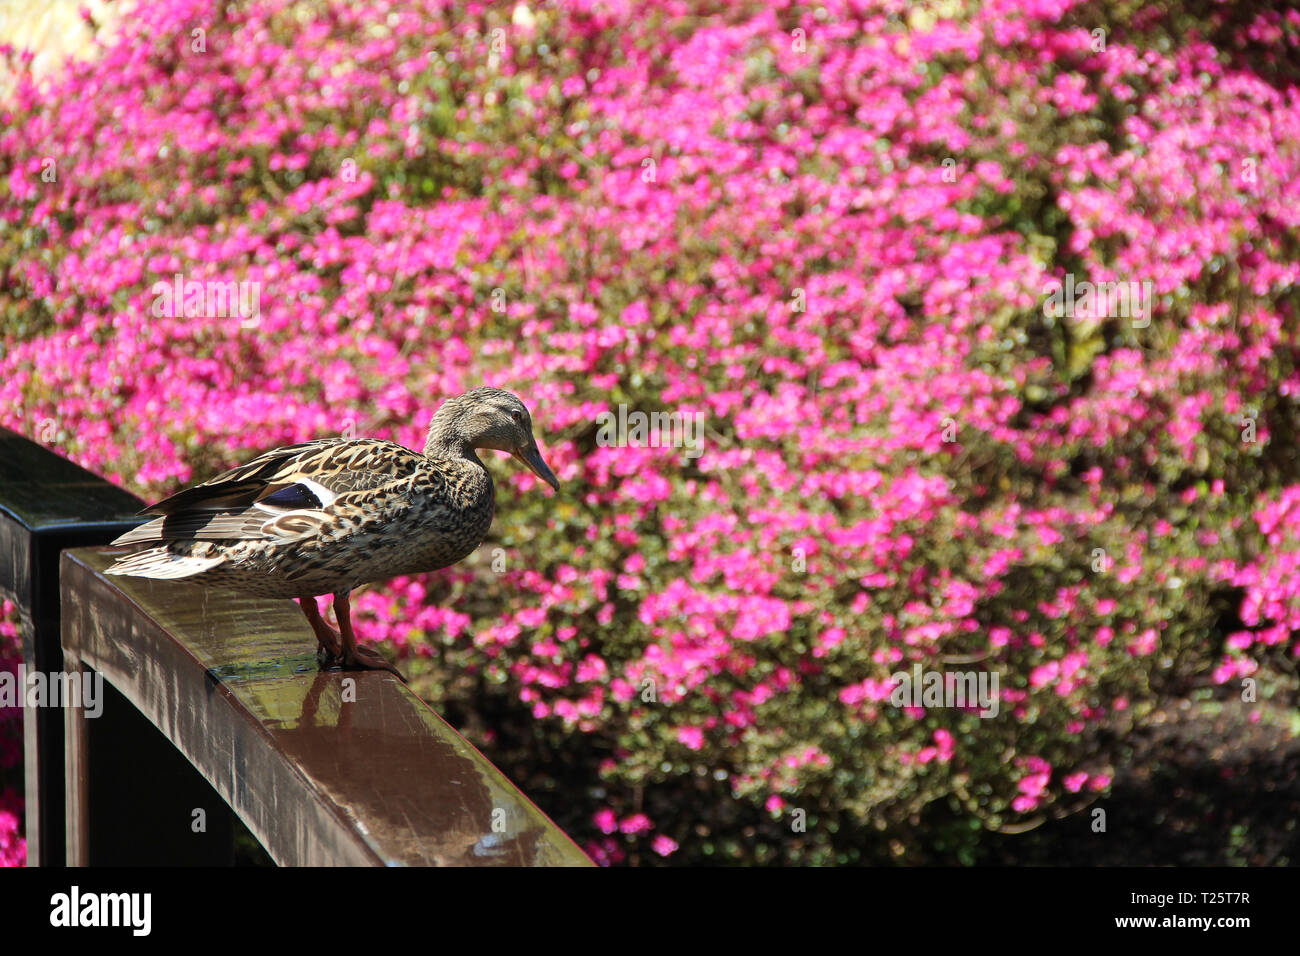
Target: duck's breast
(447, 518)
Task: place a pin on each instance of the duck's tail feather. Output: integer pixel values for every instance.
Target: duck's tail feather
(163, 564)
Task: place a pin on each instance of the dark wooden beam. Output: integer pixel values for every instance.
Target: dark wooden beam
(47, 503)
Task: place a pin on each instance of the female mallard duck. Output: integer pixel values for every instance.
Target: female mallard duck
(326, 516)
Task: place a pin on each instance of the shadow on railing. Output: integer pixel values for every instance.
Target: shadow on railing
(213, 707)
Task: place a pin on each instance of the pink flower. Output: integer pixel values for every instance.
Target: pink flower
(663, 845)
(692, 737)
(637, 823)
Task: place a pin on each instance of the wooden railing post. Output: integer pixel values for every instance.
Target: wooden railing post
(47, 504)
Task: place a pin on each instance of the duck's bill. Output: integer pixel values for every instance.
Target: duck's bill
(532, 460)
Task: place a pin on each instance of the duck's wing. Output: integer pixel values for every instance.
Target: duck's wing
(283, 494)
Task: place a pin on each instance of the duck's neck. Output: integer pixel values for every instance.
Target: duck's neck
(446, 440)
(447, 443)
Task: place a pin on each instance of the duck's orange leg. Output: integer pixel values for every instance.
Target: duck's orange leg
(328, 638)
(354, 655)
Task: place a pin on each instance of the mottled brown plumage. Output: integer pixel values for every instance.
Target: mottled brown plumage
(324, 517)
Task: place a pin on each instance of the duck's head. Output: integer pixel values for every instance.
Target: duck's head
(487, 418)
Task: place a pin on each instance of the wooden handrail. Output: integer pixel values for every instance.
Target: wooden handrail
(323, 767)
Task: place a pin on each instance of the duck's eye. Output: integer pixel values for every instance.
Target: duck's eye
(517, 415)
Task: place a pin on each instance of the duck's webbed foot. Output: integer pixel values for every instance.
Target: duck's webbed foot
(363, 658)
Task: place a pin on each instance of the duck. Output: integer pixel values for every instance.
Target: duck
(324, 517)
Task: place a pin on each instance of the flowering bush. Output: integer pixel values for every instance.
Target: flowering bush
(826, 229)
(13, 848)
